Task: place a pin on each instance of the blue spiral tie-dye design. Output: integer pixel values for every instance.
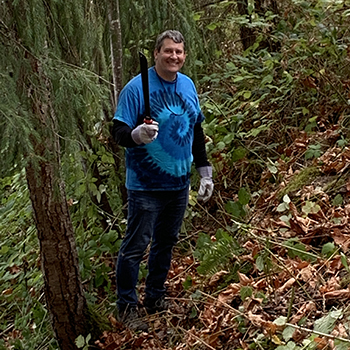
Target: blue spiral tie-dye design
(164, 164)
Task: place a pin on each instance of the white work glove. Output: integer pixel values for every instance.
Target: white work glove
(145, 133)
(206, 186)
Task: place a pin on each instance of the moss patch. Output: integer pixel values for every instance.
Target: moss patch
(304, 177)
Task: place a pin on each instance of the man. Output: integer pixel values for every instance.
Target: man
(159, 155)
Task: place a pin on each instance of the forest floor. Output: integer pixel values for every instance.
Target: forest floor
(284, 280)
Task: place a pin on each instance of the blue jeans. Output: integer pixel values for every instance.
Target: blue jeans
(156, 217)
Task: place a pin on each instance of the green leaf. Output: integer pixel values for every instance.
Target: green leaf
(234, 208)
(310, 208)
(289, 78)
(81, 189)
(220, 145)
(238, 154)
(188, 283)
(247, 95)
(313, 151)
(193, 313)
(243, 196)
(4, 249)
(107, 159)
(280, 321)
(238, 78)
(295, 248)
(250, 8)
(344, 261)
(273, 169)
(286, 199)
(305, 111)
(196, 295)
(246, 292)
(282, 207)
(341, 345)
(287, 333)
(267, 80)
(326, 324)
(260, 264)
(80, 341)
(286, 218)
(328, 249)
(338, 200)
(203, 240)
(229, 138)
(212, 26)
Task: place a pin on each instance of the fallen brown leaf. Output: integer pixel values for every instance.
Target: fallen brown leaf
(216, 278)
(341, 293)
(287, 285)
(341, 239)
(229, 293)
(243, 279)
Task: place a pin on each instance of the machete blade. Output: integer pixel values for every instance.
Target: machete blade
(145, 86)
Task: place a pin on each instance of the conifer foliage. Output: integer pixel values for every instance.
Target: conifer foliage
(49, 54)
(139, 32)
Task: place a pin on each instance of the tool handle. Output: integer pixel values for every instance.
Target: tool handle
(148, 120)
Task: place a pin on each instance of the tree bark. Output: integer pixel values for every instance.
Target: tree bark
(248, 35)
(116, 45)
(116, 48)
(63, 289)
(64, 293)
(261, 8)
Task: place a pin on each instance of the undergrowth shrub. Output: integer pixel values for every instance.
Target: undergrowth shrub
(253, 101)
(216, 253)
(22, 305)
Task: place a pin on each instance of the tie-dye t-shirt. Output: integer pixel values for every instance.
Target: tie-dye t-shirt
(165, 163)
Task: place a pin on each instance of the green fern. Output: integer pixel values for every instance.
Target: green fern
(215, 255)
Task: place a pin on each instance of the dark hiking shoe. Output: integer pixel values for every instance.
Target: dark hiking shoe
(157, 305)
(132, 319)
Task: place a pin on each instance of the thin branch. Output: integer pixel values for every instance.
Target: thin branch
(330, 336)
(197, 338)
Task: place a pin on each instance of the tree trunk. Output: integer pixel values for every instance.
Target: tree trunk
(261, 8)
(63, 289)
(116, 47)
(248, 35)
(59, 261)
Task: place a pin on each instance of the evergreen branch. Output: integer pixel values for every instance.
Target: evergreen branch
(18, 44)
(210, 4)
(86, 70)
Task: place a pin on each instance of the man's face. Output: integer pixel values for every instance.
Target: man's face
(170, 59)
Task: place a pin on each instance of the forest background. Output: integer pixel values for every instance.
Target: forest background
(264, 264)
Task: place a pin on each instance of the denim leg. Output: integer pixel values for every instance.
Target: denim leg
(164, 238)
(142, 214)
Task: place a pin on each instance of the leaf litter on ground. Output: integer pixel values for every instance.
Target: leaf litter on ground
(298, 296)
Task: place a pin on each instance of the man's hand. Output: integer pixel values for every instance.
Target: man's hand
(206, 186)
(145, 133)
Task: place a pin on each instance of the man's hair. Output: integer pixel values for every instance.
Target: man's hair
(174, 35)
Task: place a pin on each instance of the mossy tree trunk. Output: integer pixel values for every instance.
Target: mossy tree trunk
(64, 293)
